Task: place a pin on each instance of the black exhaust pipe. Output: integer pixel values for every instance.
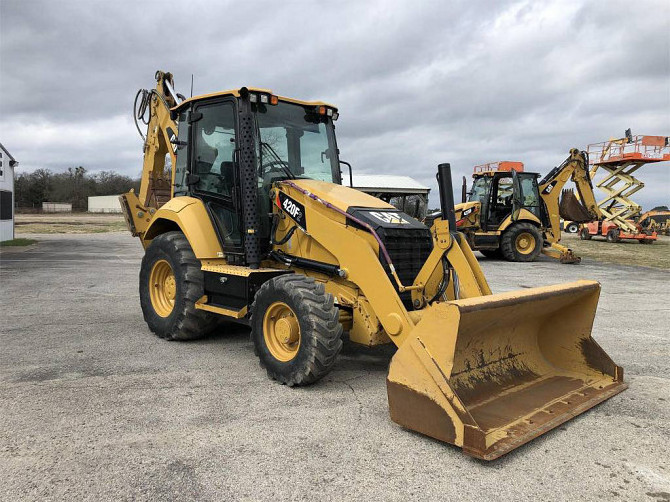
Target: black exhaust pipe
(446, 195)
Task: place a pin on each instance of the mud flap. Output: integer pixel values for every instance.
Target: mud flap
(491, 373)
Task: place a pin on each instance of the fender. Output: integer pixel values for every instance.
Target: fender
(189, 215)
(524, 215)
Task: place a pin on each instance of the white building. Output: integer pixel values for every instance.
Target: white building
(104, 204)
(403, 192)
(7, 166)
(56, 207)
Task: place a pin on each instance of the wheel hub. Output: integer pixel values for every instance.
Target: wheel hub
(287, 329)
(525, 243)
(162, 288)
(281, 331)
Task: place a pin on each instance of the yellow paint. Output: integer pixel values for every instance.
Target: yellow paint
(190, 215)
(236, 94)
(162, 288)
(341, 196)
(525, 243)
(524, 215)
(498, 368)
(281, 331)
(201, 304)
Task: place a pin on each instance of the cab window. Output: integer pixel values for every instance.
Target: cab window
(214, 137)
(505, 191)
(480, 190)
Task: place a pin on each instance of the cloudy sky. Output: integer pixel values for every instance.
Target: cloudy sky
(417, 83)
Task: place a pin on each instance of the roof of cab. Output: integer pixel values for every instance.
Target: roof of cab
(236, 93)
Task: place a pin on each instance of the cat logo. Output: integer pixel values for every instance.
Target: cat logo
(547, 190)
(390, 218)
(173, 139)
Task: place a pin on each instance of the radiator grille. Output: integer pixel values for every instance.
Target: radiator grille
(408, 249)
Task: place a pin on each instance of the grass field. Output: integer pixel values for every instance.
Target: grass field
(655, 255)
(69, 223)
(20, 242)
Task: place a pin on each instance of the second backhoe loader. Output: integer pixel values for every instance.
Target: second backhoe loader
(509, 213)
(255, 227)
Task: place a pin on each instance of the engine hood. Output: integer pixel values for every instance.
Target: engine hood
(340, 196)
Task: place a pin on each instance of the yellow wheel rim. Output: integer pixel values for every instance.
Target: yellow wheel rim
(525, 243)
(281, 331)
(162, 288)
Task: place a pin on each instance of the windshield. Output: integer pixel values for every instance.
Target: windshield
(295, 142)
(480, 189)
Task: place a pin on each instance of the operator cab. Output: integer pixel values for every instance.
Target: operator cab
(500, 193)
(275, 138)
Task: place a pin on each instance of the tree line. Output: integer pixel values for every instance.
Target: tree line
(74, 186)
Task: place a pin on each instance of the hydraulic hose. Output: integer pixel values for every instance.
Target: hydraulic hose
(139, 112)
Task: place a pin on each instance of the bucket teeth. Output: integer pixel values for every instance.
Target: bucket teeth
(491, 373)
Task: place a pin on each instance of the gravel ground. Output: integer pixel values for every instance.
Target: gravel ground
(93, 406)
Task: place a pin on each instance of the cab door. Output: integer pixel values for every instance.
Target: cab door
(213, 169)
(502, 197)
(528, 193)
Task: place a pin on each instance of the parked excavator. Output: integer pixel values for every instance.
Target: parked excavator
(252, 224)
(508, 213)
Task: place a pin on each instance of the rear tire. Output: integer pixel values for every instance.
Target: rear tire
(295, 329)
(170, 283)
(584, 234)
(521, 242)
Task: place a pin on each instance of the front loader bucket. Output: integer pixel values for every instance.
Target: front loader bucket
(493, 372)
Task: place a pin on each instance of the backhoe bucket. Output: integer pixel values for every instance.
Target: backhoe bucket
(571, 209)
(493, 372)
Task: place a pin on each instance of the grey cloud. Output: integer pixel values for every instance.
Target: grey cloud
(417, 83)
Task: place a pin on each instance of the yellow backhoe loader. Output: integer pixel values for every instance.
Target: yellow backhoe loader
(251, 224)
(509, 213)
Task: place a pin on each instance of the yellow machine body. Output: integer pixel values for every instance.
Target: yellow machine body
(485, 372)
(556, 204)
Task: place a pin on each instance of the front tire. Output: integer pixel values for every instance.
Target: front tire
(572, 228)
(295, 329)
(170, 283)
(613, 236)
(521, 242)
